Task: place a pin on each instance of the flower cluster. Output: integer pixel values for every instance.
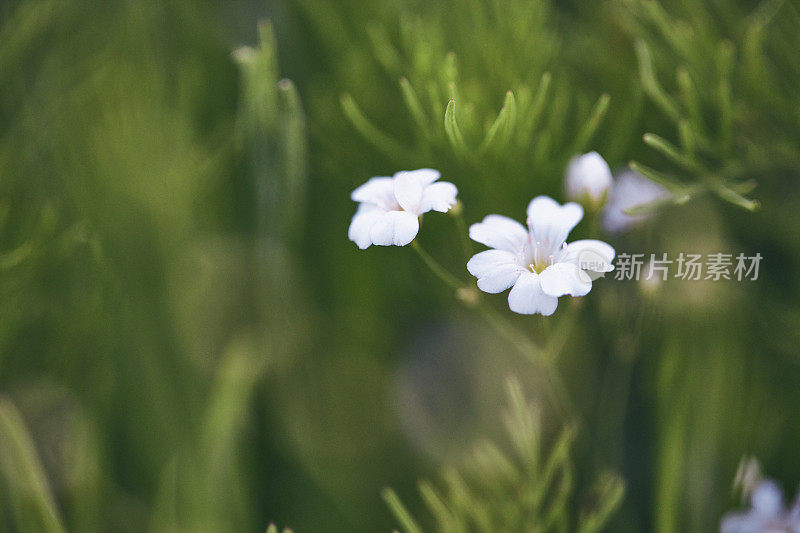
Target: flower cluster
(533, 260)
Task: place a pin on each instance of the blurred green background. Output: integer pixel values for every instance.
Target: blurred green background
(189, 342)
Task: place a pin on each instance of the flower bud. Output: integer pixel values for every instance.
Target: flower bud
(588, 179)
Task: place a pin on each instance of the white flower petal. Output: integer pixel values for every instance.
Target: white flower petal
(500, 278)
(394, 228)
(378, 191)
(767, 499)
(527, 298)
(408, 191)
(503, 233)
(425, 176)
(439, 196)
(588, 175)
(589, 254)
(496, 270)
(550, 223)
(361, 225)
(565, 278)
(629, 190)
(743, 523)
(481, 264)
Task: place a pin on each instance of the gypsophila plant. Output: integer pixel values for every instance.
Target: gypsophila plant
(535, 262)
(200, 330)
(513, 486)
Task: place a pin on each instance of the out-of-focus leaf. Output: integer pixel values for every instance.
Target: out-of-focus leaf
(22, 474)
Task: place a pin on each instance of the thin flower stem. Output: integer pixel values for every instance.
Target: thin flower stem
(535, 354)
(614, 400)
(593, 216)
(436, 268)
(544, 358)
(458, 215)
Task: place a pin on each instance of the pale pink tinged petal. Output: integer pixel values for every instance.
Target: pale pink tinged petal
(565, 278)
(550, 223)
(527, 298)
(481, 264)
(503, 233)
(439, 196)
(408, 192)
(394, 228)
(589, 254)
(425, 176)
(361, 225)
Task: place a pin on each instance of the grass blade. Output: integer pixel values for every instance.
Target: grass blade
(592, 124)
(370, 132)
(22, 472)
(503, 126)
(656, 176)
(453, 132)
(400, 512)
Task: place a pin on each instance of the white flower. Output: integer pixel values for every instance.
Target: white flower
(629, 190)
(536, 262)
(767, 513)
(389, 209)
(588, 176)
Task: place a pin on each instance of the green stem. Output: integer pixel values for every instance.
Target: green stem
(436, 268)
(458, 215)
(538, 356)
(544, 358)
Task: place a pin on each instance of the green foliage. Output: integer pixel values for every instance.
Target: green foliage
(273, 138)
(729, 131)
(518, 121)
(114, 283)
(527, 490)
(274, 529)
(24, 481)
